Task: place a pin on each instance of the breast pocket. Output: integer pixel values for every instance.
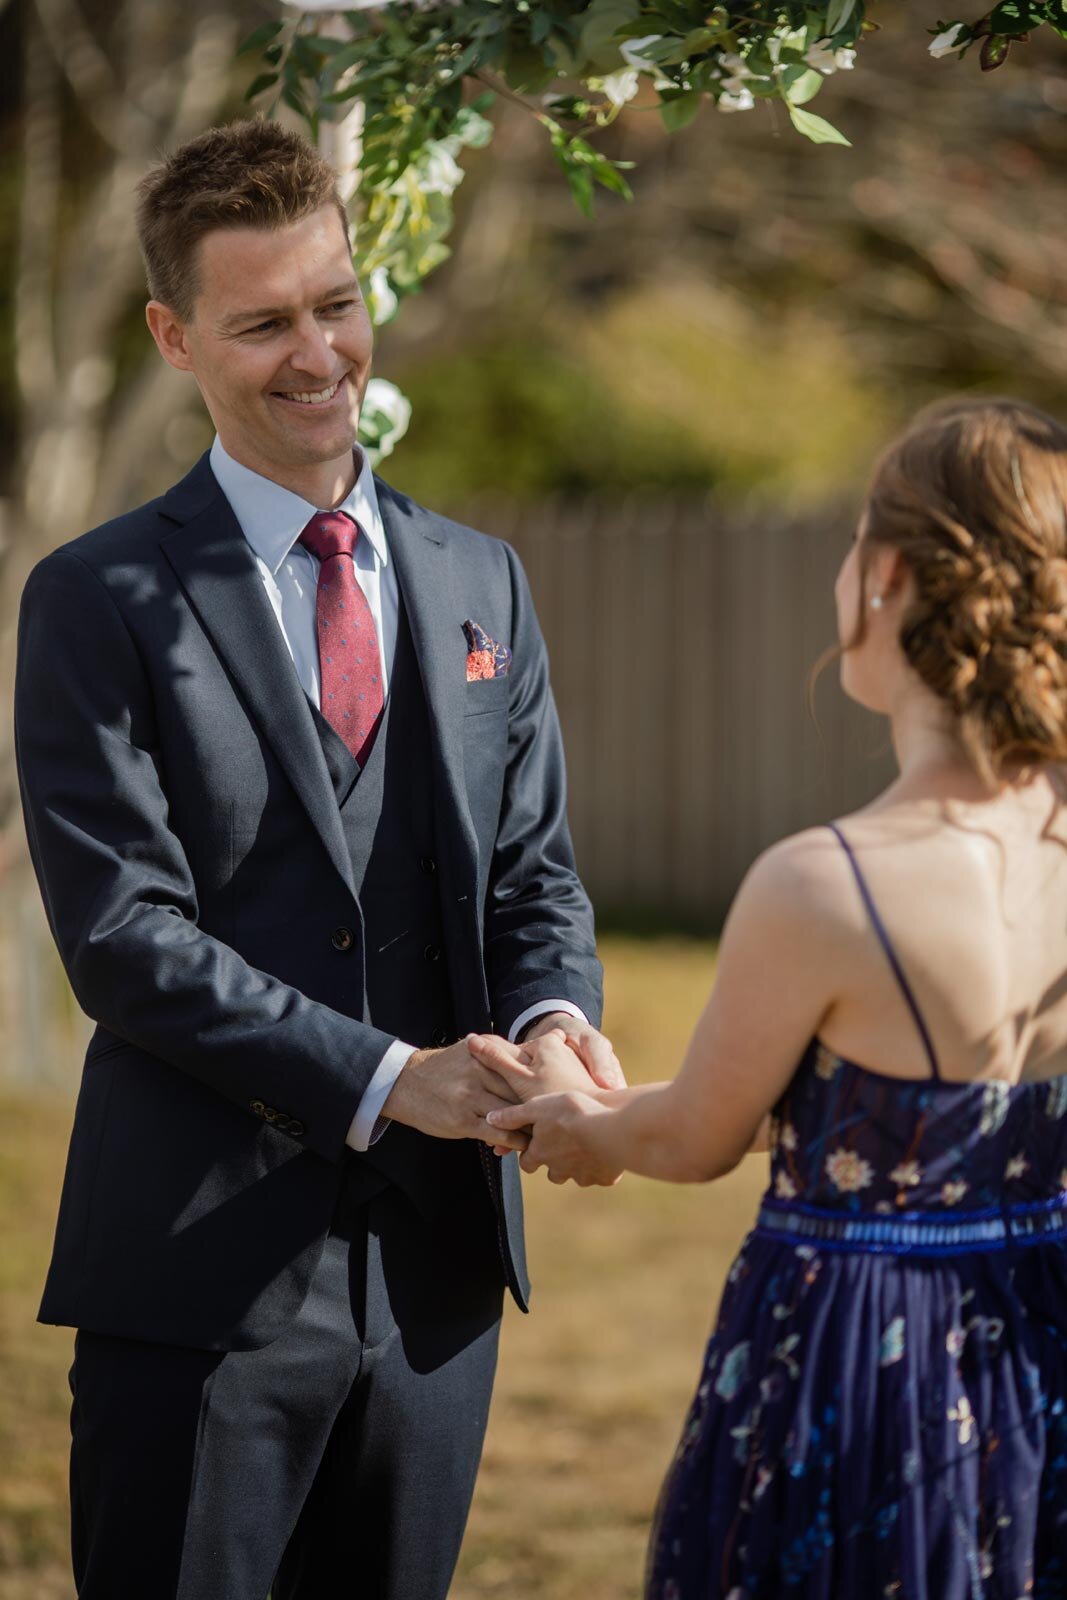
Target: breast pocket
(485, 695)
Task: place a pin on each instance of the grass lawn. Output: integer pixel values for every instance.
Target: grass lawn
(592, 1385)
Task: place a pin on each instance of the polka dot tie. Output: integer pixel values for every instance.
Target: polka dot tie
(350, 670)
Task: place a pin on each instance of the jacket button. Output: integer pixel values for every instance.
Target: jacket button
(428, 864)
(257, 1106)
(343, 939)
(432, 952)
(440, 1038)
(296, 1129)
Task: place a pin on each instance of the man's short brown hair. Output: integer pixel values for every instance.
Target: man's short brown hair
(251, 174)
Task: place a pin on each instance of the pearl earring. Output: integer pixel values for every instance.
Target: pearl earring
(876, 602)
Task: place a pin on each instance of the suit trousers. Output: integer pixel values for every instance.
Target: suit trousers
(336, 1463)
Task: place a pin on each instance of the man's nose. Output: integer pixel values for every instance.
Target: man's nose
(312, 350)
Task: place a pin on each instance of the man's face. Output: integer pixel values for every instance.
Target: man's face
(279, 342)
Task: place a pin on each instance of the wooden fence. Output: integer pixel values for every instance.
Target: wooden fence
(681, 637)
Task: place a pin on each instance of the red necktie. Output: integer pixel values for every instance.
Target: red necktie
(349, 663)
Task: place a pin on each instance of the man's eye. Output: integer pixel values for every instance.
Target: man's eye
(263, 327)
(339, 307)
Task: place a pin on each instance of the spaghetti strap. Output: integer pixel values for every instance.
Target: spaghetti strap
(887, 946)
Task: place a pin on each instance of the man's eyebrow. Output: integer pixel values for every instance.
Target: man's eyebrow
(263, 313)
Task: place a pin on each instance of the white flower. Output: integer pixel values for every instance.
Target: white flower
(1063, 1179)
(632, 51)
(948, 41)
(906, 1175)
(735, 66)
(384, 418)
(826, 60)
(1016, 1166)
(620, 86)
(784, 1187)
(951, 1192)
(740, 101)
(381, 297)
(787, 1136)
(442, 173)
(847, 1171)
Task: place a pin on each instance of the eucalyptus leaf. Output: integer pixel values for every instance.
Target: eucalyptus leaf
(817, 129)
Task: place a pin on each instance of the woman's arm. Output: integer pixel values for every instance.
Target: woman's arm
(781, 953)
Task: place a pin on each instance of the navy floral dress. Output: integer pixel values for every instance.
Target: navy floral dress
(882, 1412)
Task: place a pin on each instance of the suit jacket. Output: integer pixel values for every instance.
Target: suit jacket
(193, 864)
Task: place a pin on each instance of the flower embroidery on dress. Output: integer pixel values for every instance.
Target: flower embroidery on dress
(734, 1369)
(995, 1100)
(1016, 1166)
(1056, 1099)
(906, 1174)
(847, 1171)
(891, 1348)
(964, 1418)
(787, 1136)
(826, 1063)
(784, 1187)
(953, 1191)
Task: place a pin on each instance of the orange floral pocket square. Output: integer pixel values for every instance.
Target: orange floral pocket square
(485, 658)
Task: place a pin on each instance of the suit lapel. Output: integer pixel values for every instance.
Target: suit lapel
(426, 578)
(217, 570)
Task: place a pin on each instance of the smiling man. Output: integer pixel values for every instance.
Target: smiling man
(294, 792)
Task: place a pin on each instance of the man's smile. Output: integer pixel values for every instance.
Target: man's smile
(310, 397)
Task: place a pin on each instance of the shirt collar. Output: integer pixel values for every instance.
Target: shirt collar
(273, 518)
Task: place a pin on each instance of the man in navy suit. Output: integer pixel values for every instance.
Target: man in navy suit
(294, 791)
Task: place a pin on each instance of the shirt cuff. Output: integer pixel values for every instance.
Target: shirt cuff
(543, 1009)
(368, 1124)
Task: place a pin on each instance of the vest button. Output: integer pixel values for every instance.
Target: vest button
(343, 939)
(427, 864)
(432, 952)
(440, 1038)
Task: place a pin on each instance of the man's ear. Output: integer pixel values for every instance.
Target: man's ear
(168, 331)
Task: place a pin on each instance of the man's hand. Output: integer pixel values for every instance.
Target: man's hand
(447, 1093)
(588, 1044)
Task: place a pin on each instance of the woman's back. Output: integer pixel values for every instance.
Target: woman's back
(973, 897)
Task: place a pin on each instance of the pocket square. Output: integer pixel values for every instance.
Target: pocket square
(485, 658)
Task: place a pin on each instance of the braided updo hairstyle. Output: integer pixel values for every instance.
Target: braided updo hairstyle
(974, 496)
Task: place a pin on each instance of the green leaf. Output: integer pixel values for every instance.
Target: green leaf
(801, 84)
(817, 129)
(678, 110)
(260, 36)
(838, 15)
(266, 80)
(1016, 16)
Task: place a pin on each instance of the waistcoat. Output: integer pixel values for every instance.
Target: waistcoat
(387, 813)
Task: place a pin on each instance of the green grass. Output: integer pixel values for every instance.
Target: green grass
(592, 1385)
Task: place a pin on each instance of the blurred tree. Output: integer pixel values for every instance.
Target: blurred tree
(102, 89)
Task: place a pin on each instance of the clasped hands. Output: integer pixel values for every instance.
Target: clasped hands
(562, 1063)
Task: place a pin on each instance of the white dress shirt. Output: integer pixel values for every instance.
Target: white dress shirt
(272, 520)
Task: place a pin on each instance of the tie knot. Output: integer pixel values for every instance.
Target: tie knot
(330, 533)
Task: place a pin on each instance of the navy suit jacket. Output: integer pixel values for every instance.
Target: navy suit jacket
(191, 855)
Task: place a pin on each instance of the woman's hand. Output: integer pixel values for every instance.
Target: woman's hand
(545, 1065)
(567, 1135)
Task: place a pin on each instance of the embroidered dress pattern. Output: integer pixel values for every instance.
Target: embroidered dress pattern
(882, 1411)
